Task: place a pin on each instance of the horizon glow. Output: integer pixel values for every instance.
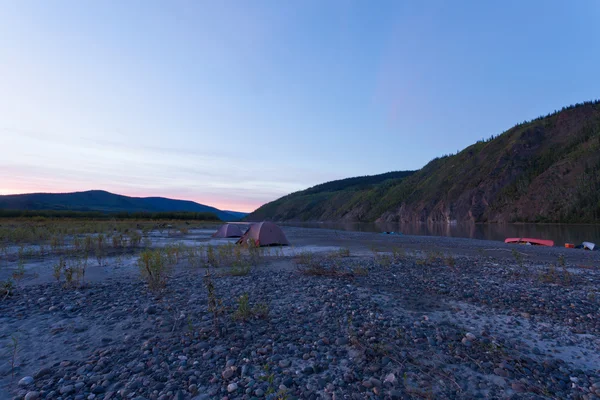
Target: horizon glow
(234, 104)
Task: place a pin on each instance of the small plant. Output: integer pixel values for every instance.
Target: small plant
(360, 271)
(56, 242)
(153, 268)
(383, 260)
(553, 275)
(117, 241)
(20, 272)
(68, 273)
(58, 268)
(14, 347)
(147, 242)
(243, 312)
(215, 304)
(211, 258)
(261, 310)
(344, 252)
(519, 259)
(134, 239)
(100, 248)
(451, 262)
(6, 288)
(241, 269)
(398, 254)
(42, 249)
(255, 251)
(88, 244)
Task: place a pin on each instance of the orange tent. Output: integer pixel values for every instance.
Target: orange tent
(264, 234)
(228, 230)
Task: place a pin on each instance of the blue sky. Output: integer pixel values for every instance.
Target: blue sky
(236, 103)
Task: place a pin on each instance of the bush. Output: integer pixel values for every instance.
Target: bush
(153, 266)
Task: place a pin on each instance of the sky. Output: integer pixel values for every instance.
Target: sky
(236, 103)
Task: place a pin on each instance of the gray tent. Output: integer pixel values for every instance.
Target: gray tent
(228, 230)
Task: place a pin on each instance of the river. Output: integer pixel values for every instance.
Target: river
(560, 233)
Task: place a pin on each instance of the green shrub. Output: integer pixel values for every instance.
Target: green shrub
(153, 268)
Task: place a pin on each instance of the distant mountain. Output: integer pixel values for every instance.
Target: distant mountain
(99, 200)
(545, 170)
(235, 215)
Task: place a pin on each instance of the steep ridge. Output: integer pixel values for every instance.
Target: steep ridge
(544, 170)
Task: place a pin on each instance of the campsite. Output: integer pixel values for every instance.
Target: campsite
(328, 314)
(299, 200)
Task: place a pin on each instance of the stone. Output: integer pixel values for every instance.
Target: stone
(150, 310)
(32, 396)
(67, 389)
(26, 381)
(390, 378)
(227, 373)
(232, 387)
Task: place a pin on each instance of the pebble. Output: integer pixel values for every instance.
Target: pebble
(163, 346)
(232, 387)
(26, 381)
(67, 389)
(32, 395)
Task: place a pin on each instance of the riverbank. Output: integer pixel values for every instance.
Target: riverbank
(336, 315)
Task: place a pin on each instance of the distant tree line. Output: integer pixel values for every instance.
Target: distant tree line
(164, 215)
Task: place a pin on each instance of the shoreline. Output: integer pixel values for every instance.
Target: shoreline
(337, 314)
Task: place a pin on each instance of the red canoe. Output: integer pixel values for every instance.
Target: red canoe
(535, 242)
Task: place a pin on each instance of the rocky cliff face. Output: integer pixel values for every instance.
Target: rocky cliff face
(545, 170)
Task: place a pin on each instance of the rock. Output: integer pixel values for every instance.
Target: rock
(67, 389)
(518, 387)
(308, 370)
(98, 389)
(227, 373)
(42, 372)
(390, 378)
(285, 363)
(470, 336)
(26, 381)
(232, 387)
(32, 395)
(259, 392)
(150, 310)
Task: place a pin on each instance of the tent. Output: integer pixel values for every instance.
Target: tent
(228, 230)
(264, 234)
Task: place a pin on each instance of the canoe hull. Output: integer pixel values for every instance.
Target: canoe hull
(535, 242)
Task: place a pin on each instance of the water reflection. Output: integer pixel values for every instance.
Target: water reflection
(560, 233)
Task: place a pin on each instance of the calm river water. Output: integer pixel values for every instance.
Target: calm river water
(560, 233)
